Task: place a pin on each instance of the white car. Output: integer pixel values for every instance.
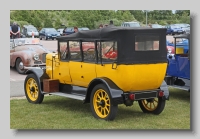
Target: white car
(60, 30)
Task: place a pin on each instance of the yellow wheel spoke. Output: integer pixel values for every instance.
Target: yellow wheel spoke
(150, 105)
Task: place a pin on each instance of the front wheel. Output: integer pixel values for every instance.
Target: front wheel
(20, 66)
(154, 105)
(101, 103)
(32, 90)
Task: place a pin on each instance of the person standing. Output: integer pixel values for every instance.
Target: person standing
(14, 31)
(75, 29)
(111, 24)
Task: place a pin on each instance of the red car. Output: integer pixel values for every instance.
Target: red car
(27, 53)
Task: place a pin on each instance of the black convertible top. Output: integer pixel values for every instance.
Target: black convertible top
(126, 38)
(109, 33)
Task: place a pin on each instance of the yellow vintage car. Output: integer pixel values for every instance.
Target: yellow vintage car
(105, 67)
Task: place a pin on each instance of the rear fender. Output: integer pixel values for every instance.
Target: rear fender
(115, 91)
(164, 87)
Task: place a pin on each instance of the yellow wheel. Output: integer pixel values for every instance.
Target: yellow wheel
(32, 89)
(154, 105)
(101, 103)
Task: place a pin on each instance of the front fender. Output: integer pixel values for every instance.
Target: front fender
(40, 74)
(164, 87)
(115, 91)
(26, 57)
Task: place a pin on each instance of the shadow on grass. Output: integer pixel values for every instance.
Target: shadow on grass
(179, 94)
(72, 105)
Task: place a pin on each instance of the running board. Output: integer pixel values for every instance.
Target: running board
(73, 96)
(186, 88)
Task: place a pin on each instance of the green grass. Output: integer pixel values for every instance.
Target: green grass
(64, 113)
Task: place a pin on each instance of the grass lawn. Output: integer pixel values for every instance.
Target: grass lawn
(63, 113)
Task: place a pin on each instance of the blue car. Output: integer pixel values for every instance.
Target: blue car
(178, 71)
(174, 29)
(48, 33)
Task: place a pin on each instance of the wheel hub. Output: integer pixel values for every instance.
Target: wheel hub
(32, 89)
(21, 66)
(102, 103)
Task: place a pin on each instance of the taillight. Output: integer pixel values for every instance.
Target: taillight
(131, 96)
(161, 93)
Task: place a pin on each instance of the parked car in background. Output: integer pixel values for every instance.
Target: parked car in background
(130, 24)
(156, 26)
(26, 53)
(83, 28)
(68, 31)
(28, 31)
(60, 30)
(178, 71)
(185, 27)
(48, 33)
(174, 29)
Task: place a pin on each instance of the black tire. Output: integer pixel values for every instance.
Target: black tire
(52, 38)
(103, 109)
(46, 38)
(154, 105)
(40, 38)
(32, 90)
(17, 66)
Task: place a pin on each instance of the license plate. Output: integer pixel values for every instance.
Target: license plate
(53, 36)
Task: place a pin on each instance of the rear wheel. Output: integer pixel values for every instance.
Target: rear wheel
(32, 90)
(154, 105)
(101, 103)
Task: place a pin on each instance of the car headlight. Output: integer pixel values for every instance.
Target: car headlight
(36, 57)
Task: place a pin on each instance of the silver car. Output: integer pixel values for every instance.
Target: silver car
(29, 30)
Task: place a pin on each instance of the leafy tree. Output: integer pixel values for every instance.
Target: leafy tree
(48, 23)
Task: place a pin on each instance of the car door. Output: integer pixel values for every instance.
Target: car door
(42, 33)
(82, 72)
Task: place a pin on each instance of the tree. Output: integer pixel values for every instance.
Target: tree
(138, 15)
(48, 23)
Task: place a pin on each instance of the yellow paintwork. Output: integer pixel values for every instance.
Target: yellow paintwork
(127, 77)
(101, 96)
(134, 77)
(32, 95)
(179, 50)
